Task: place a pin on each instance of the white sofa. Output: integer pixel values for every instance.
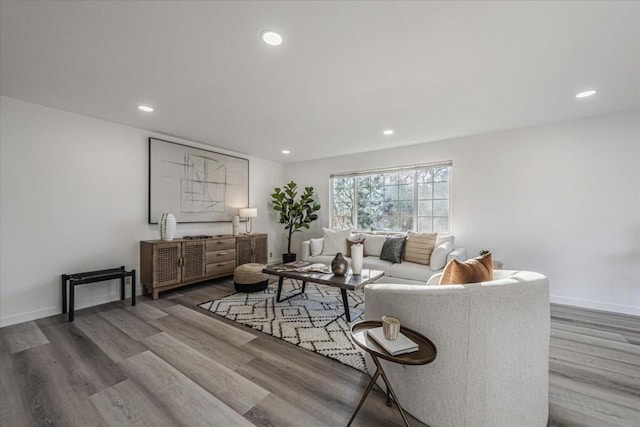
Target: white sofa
(492, 338)
(404, 272)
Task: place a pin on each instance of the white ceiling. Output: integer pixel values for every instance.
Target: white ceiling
(346, 70)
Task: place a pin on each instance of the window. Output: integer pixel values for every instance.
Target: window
(405, 199)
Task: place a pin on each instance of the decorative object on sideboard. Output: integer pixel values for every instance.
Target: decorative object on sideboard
(357, 253)
(339, 265)
(296, 215)
(167, 226)
(249, 213)
(235, 225)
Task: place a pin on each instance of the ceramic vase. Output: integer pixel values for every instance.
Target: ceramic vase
(357, 252)
(235, 225)
(339, 265)
(167, 226)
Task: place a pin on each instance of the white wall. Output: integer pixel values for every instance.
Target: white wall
(562, 199)
(73, 194)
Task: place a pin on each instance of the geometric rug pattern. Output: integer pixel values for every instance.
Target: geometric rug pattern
(314, 320)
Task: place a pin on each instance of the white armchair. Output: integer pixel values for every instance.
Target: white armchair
(492, 367)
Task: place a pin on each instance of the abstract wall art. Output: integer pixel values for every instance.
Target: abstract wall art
(195, 185)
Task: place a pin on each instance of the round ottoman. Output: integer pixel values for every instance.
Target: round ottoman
(250, 278)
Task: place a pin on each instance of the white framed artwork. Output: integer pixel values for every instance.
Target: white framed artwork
(195, 185)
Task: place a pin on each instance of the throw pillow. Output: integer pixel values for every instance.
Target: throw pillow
(335, 241)
(444, 238)
(419, 247)
(479, 269)
(351, 242)
(392, 249)
(316, 246)
(373, 243)
(439, 255)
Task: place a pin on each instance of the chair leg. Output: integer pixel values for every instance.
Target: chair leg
(133, 287)
(71, 300)
(64, 293)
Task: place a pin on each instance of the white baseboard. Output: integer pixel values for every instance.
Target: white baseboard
(50, 311)
(31, 315)
(596, 305)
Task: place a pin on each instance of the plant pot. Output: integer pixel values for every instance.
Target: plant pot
(288, 258)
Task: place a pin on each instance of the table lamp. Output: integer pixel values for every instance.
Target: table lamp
(248, 213)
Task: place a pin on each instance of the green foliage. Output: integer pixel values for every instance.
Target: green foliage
(392, 201)
(296, 215)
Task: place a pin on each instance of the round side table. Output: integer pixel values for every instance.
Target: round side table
(426, 354)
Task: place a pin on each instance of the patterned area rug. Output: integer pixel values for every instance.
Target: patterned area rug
(314, 320)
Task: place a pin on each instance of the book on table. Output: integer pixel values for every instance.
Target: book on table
(401, 345)
(303, 267)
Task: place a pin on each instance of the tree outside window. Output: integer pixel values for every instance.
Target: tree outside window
(403, 200)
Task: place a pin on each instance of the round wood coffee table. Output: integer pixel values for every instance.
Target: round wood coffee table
(426, 354)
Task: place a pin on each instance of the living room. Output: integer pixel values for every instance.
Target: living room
(548, 182)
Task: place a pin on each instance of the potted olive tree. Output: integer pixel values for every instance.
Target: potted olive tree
(296, 215)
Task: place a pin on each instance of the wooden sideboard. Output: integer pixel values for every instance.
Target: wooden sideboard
(252, 248)
(167, 265)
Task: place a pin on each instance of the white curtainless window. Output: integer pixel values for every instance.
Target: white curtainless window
(412, 198)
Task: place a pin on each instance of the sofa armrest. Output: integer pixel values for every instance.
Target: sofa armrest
(434, 280)
(306, 250)
(458, 253)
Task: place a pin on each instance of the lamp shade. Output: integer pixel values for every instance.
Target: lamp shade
(248, 212)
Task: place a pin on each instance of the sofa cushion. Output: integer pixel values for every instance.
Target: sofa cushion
(316, 246)
(411, 271)
(445, 238)
(439, 255)
(419, 247)
(393, 248)
(373, 243)
(351, 242)
(479, 269)
(335, 241)
(375, 263)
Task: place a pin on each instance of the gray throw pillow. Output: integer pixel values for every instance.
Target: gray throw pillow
(392, 249)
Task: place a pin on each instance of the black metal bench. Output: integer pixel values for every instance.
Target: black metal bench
(92, 277)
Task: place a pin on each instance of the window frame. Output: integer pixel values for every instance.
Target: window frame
(416, 199)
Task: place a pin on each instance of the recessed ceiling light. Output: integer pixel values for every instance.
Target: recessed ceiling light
(586, 93)
(145, 108)
(388, 132)
(271, 38)
(286, 152)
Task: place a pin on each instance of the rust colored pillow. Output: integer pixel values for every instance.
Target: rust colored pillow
(353, 242)
(479, 269)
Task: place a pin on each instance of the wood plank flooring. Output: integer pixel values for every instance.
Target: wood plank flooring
(594, 368)
(168, 363)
